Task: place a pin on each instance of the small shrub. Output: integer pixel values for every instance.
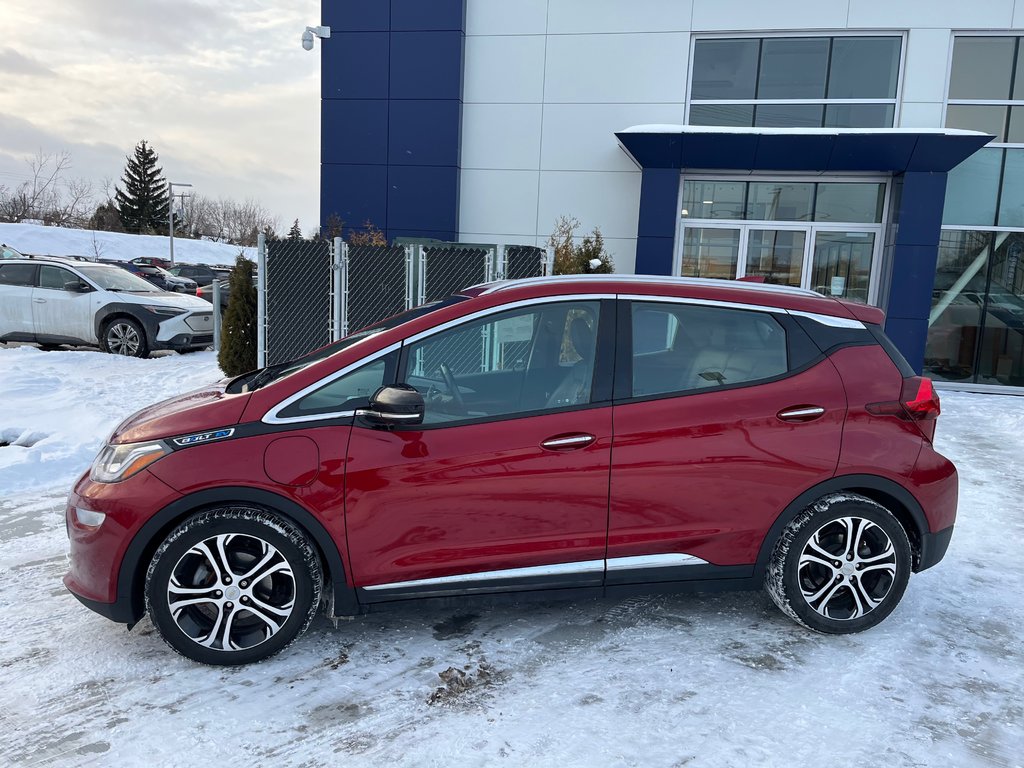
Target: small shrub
(368, 235)
(587, 257)
(238, 332)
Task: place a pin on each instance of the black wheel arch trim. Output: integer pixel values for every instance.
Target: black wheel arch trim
(131, 575)
(851, 484)
(149, 321)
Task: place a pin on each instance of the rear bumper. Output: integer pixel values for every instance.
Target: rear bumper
(933, 547)
(121, 611)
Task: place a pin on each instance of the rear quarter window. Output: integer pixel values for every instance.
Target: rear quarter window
(17, 274)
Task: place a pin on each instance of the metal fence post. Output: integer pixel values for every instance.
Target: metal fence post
(216, 314)
(421, 291)
(549, 260)
(261, 301)
(337, 298)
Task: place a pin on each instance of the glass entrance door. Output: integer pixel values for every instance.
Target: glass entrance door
(711, 252)
(776, 255)
(841, 264)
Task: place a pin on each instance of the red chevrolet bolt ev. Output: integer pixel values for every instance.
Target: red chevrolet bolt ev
(589, 435)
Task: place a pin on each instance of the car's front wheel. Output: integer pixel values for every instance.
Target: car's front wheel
(233, 585)
(124, 336)
(841, 565)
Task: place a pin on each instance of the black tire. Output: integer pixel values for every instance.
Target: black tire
(124, 336)
(210, 552)
(819, 580)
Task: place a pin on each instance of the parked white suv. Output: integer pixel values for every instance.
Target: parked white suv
(59, 301)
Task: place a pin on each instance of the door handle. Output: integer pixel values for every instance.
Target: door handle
(567, 442)
(801, 413)
(39, 301)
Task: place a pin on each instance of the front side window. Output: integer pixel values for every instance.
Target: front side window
(56, 278)
(837, 82)
(521, 361)
(344, 393)
(685, 347)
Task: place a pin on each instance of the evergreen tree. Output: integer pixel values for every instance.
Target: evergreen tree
(295, 233)
(238, 332)
(143, 204)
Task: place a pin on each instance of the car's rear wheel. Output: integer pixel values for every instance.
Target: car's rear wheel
(124, 336)
(842, 565)
(233, 585)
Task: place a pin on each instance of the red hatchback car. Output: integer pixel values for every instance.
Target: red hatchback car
(559, 435)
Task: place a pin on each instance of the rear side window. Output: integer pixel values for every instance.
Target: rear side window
(17, 274)
(684, 347)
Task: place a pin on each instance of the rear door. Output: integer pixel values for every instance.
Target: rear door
(59, 308)
(722, 417)
(16, 282)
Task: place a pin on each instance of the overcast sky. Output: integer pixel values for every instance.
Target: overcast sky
(222, 89)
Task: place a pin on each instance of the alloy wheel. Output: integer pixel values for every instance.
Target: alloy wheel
(123, 339)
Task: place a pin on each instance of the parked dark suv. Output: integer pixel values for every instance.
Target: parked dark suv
(200, 273)
(570, 436)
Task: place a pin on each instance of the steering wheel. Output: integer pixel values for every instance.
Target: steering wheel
(453, 388)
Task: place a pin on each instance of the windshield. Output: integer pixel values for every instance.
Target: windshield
(116, 279)
(257, 379)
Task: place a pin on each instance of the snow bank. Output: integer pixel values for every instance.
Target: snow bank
(57, 241)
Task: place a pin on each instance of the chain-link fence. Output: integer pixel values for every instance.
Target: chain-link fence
(312, 293)
(297, 280)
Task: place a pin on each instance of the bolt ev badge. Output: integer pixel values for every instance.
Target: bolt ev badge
(204, 437)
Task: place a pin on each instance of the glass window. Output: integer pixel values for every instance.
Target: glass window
(1001, 353)
(841, 264)
(778, 201)
(849, 203)
(793, 68)
(17, 274)
(1011, 201)
(741, 115)
(703, 347)
(981, 67)
(864, 68)
(972, 188)
(56, 278)
(859, 115)
(958, 299)
(1015, 133)
(353, 390)
(788, 115)
(710, 252)
(777, 256)
(725, 69)
(974, 117)
(713, 199)
(514, 362)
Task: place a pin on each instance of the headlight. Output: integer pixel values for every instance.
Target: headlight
(119, 462)
(169, 311)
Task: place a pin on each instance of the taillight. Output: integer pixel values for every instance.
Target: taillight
(919, 402)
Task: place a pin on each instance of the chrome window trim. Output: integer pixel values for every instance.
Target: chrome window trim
(559, 299)
(271, 416)
(669, 560)
(703, 302)
(829, 320)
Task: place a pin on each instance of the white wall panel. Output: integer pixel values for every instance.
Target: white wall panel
(501, 136)
(927, 60)
(572, 17)
(921, 114)
(963, 14)
(492, 202)
(623, 252)
(580, 137)
(1018, 14)
(605, 199)
(502, 17)
(630, 68)
(714, 15)
(504, 69)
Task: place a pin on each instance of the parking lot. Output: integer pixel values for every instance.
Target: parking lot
(696, 680)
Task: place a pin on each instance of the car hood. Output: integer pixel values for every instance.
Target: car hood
(163, 299)
(203, 409)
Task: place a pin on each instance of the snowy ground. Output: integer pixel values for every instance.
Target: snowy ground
(717, 680)
(58, 241)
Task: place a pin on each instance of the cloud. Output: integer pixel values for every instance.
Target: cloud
(14, 63)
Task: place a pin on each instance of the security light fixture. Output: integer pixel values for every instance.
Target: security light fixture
(313, 32)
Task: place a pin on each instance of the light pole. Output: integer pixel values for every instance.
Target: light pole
(170, 211)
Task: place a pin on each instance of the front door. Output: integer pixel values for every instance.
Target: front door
(505, 484)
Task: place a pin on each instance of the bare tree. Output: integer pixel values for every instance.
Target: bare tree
(47, 196)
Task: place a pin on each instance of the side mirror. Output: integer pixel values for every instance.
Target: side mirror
(400, 405)
(77, 286)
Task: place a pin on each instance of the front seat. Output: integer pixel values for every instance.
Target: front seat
(575, 387)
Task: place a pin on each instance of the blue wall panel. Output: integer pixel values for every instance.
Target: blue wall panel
(654, 255)
(354, 131)
(391, 114)
(659, 197)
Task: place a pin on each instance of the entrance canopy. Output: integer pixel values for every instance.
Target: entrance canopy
(810, 150)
